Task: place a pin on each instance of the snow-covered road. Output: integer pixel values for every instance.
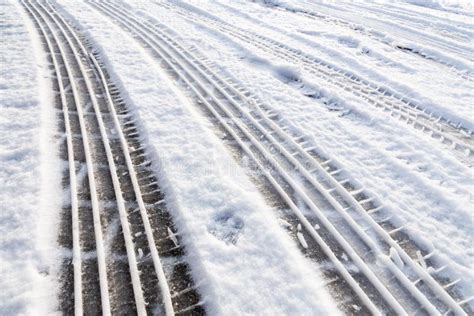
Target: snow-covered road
(235, 157)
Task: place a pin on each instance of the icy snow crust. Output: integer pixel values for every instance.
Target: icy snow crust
(241, 258)
(30, 171)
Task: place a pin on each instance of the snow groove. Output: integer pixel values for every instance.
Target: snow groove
(118, 179)
(377, 255)
(76, 259)
(456, 138)
(419, 35)
(449, 63)
(442, 29)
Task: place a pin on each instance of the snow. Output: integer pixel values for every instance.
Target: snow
(301, 238)
(240, 251)
(30, 172)
(455, 6)
(396, 258)
(411, 174)
(234, 242)
(416, 83)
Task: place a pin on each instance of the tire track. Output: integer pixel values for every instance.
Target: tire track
(120, 225)
(382, 38)
(457, 139)
(365, 255)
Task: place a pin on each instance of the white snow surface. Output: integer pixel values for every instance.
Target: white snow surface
(426, 189)
(240, 255)
(411, 174)
(30, 171)
(242, 260)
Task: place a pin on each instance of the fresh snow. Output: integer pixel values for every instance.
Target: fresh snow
(30, 171)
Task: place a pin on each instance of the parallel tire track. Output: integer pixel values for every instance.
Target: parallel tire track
(375, 35)
(120, 225)
(353, 233)
(458, 139)
(458, 33)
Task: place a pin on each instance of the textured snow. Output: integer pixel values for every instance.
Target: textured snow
(30, 192)
(238, 249)
(409, 172)
(235, 245)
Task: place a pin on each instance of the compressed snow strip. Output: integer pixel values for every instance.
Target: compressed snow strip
(396, 258)
(302, 240)
(284, 223)
(421, 260)
(173, 237)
